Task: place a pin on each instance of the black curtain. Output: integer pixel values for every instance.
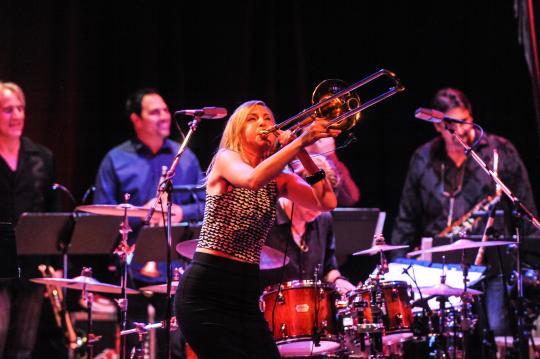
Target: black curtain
(78, 60)
(527, 36)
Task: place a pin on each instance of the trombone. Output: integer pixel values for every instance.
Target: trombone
(335, 97)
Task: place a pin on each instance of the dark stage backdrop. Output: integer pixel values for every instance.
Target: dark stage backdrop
(78, 60)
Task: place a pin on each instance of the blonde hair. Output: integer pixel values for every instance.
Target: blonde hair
(232, 134)
(16, 89)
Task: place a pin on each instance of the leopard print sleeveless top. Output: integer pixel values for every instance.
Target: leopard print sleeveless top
(238, 222)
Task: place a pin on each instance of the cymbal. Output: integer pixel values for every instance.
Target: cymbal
(118, 210)
(376, 249)
(460, 245)
(80, 282)
(270, 258)
(446, 290)
(161, 288)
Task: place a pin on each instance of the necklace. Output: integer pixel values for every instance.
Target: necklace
(452, 191)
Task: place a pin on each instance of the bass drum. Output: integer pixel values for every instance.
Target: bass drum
(294, 310)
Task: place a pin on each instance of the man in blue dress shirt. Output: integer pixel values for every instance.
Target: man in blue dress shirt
(135, 167)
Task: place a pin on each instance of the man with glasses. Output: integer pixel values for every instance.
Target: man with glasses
(443, 184)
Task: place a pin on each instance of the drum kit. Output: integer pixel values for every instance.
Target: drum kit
(309, 318)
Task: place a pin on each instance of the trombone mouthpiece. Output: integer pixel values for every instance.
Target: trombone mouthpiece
(267, 131)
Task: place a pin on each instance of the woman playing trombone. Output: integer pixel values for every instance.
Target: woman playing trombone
(217, 298)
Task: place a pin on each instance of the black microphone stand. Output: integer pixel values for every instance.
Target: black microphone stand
(316, 335)
(166, 186)
(521, 338)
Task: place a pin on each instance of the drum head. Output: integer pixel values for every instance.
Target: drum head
(306, 348)
(394, 338)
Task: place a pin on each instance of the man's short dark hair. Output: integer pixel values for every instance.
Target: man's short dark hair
(449, 98)
(134, 101)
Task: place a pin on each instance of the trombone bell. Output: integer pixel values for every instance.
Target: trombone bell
(337, 106)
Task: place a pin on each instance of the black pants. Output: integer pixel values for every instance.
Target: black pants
(217, 307)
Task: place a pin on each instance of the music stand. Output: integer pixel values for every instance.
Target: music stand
(94, 234)
(8, 252)
(151, 244)
(354, 229)
(42, 233)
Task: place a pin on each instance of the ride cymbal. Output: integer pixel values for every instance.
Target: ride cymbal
(118, 210)
(378, 248)
(459, 245)
(82, 282)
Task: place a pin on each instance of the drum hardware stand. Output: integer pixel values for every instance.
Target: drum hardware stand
(522, 332)
(123, 250)
(521, 337)
(440, 339)
(489, 347)
(166, 186)
(142, 330)
(375, 335)
(424, 328)
(466, 322)
(89, 297)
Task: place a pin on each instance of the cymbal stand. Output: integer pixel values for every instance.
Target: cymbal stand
(441, 349)
(166, 186)
(376, 295)
(466, 299)
(123, 251)
(521, 337)
(89, 297)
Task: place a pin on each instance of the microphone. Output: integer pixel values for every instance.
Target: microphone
(87, 193)
(434, 116)
(210, 113)
(56, 186)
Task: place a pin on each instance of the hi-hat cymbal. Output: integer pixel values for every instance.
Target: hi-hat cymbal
(376, 249)
(460, 245)
(161, 288)
(446, 290)
(118, 210)
(270, 258)
(82, 282)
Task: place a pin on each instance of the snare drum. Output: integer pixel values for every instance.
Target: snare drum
(395, 306)
(293, 310)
